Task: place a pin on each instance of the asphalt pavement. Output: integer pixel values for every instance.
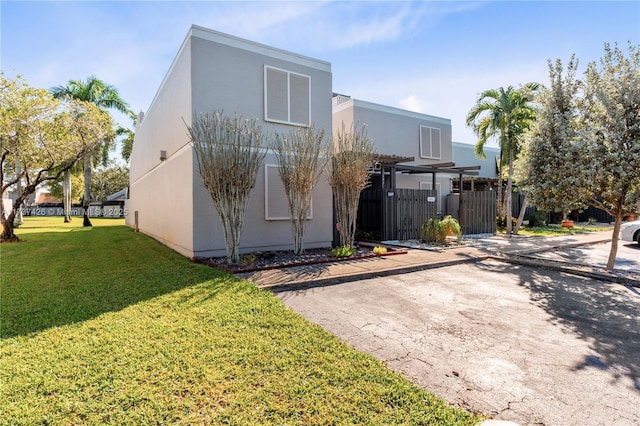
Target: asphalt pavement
(525, 329)
(529, 345)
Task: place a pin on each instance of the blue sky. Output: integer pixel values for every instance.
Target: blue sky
(433, 57)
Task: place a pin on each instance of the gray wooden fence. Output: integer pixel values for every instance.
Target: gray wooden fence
(478, 212)
(396, 214)
(413, 208)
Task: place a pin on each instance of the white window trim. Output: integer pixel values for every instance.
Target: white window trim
(266, 197)
(266, 92)
(431, 142)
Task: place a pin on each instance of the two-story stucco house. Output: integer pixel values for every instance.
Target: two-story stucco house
(214, 71)
(422, 138)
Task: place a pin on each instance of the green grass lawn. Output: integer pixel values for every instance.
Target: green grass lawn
(557, 230)
(104, 325)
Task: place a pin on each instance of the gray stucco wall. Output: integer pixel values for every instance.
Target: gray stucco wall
(160, 191)
(463, 155)
(229, 74)
(214, 71)
(395, 131)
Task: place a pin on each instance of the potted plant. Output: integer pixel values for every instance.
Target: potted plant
(567, 223)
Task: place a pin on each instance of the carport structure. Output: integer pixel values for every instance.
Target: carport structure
(398, 213)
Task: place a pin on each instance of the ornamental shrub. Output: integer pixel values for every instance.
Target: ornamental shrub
(379, 250)
(343, 251)
(436, 230)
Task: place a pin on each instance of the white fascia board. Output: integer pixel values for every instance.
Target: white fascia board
(398, 111)
(263, 49)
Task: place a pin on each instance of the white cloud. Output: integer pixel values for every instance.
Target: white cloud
(358, 29)
(321, 26)
(414, 103)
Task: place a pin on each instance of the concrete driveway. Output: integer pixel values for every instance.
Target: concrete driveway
(627, 257)
(530, 346)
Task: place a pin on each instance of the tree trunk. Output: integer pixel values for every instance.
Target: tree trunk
(236, 231)
(86, 198)
(18, 212)
(523, 209)
(509, 192)
(346, 214)
(66, 196)
(614, 240)
(8, 234)
(500, 204)
(297, 227)
(7, 228)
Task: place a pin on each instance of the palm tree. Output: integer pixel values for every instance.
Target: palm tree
(105, 97)
(507, 115)
(127, 136)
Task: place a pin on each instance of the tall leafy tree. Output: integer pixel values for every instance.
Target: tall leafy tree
(41, 138)
(109, 180)
(551, 152)
(612, 135)
(105, 97)
(127, 137)
(505, 114)
(57, 188)
(586, 146)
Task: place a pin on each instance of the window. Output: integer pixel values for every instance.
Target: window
(430, 145)
(287, 97)
(276, 205)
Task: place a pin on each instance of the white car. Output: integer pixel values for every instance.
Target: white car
(630, 231)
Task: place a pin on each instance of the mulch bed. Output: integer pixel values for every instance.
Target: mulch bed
(259, 261)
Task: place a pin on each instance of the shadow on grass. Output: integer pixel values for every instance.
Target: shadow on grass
(59, 278)
(605, 315)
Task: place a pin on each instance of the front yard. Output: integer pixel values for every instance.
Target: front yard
(103, 325)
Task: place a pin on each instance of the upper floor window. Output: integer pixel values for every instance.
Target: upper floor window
(287, 97)
(430, 143)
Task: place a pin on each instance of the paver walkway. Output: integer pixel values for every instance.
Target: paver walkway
(415, 260)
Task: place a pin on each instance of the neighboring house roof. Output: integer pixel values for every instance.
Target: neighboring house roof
(45, 197)
(343, 101)
(118, 196)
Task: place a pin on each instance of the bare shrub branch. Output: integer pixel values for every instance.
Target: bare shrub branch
(230, 153)
(302, 158)
(351, 164)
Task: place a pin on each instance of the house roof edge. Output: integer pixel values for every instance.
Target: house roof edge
(252, 46)
(394, 110)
